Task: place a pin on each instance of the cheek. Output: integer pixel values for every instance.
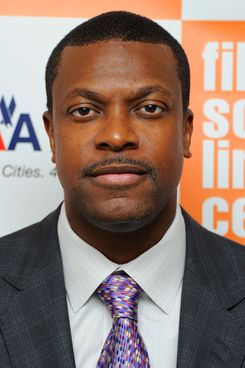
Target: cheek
(164, 143)
(166, 151)
(69, 157)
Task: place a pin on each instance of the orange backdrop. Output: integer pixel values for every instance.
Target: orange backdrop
(77, 8)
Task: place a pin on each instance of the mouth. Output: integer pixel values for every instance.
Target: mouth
(118, 174)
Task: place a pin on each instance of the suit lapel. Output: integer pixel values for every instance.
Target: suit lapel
(212, 331)
(34, 322)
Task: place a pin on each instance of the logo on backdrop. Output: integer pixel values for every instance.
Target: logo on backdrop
(217, 194)
(17, 126)
(224, 131)
(216, 146)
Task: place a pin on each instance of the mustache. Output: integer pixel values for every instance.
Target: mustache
(145, 164)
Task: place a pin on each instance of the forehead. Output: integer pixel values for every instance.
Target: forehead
(109, 63)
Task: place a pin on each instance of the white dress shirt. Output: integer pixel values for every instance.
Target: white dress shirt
(158, 271)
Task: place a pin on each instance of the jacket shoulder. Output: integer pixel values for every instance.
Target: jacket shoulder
(27, 239)
(218, 247)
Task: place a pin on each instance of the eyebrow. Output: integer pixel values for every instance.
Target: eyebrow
(139, 93)
(86, 93)
(145, 91)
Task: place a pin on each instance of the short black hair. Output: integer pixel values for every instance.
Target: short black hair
(123, 26)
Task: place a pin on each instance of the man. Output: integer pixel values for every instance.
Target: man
(119, 126)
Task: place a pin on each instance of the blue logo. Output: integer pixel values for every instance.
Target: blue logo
(23, 122)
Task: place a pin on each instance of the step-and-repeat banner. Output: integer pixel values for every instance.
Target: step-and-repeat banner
(213, 35)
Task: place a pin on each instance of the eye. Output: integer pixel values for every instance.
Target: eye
(151, 110)
(82, 111)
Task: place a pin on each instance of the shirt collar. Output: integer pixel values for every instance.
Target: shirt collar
(159, 271)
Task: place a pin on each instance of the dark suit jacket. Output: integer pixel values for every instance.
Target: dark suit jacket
(34, 326)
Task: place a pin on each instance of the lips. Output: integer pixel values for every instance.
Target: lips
(118, 169)
(118, 174)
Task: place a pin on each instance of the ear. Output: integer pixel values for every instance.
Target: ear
(48, 124)
(187, 133)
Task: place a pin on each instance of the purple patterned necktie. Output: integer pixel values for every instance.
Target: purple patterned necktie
(124, 347)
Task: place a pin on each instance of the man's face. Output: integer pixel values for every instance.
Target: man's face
(118, 132)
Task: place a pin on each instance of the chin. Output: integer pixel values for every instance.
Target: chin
(119, 215)
(120, 220)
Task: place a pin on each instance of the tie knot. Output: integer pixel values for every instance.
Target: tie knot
(121, 294)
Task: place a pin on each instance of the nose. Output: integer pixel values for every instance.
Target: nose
(117, 133)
